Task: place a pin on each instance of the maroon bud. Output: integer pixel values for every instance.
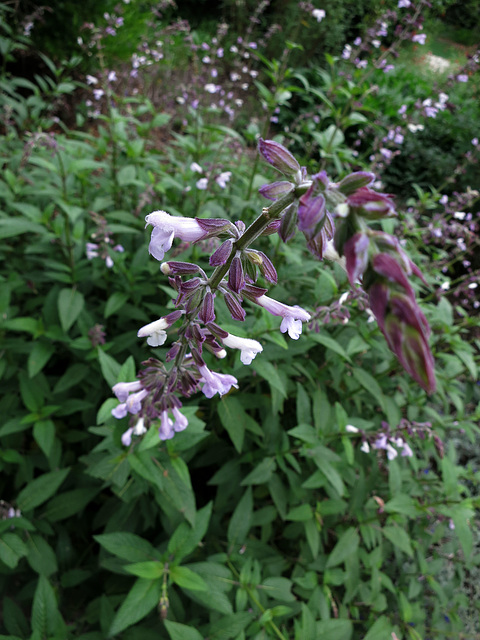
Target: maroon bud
(173, 352)
(253, 292)
(215, 227)
(222, 254)
(173, 268)
(355, 181)
(207, 312)
(355, 251)
(272, 227)
(274, 190)
(234, 307)
(279, 157)
(172, 317)
(370, 204)
(217, 331)
(386, 266)
(311, 211)
(266, 267)
(236, 280)
(378, 297)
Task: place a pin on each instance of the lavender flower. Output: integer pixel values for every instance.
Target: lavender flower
(220, 383)
(292, 316)
(166, 228)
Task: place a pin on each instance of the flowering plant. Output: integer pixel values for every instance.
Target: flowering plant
(334, 219)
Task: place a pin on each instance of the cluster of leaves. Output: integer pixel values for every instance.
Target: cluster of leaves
(264, 518)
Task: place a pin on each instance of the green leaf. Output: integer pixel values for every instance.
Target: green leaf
(16, 226)
(127, 546)
(336, 630)
(44, 434)
(279, 588)
(269, 373)
(185, 538)
(329, 343)
(72, 376)
(69, 503)
(14, 620)
(39, 356)
(240, 523)
(398, 537)
(70, 305)
(141, 599)
(402, 504)
(178, 631)
(347, 545)
(41, 489)
(262, 472)
(302, 513)
(114, 303)
(46, 619)
(233, 418)
(187, 579)
(109, 366)
(12, 548)
(149, 570)
(230, 626)
(381, 629)
(41, 556)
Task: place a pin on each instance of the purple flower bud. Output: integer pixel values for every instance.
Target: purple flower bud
(311, 211)
(355, 181)
(253, 292)
(370, 204)
(172, 268)
(215, 226)
(235, 308)
(279, 157)
(386, 266)
(272, 227)
(207, 312)
(355, 251)
(221, 255)
(236, 279)
(266, 267)
(217, 331)
(275, 190)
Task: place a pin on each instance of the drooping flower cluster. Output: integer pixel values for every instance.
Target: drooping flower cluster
(313, 204)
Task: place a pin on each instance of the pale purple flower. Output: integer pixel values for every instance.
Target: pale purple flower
(392, 453)
(211, 88)
(248, 347)
(166, 431)
(475, 141)
(406, 450)
(166, 228)
(92, 250)
(402, 109)
(202, 184)
(220, 53)
(292, 316)
(91, 79)
(357, 42)
(109, 262)
(347, 52)
(443, 200)
(462, 77)
(419, 38)
(380, 442)
(318, 14)
(388, 68)
(362, 64)
(206, 60)
(123, 389)
(220, 383)
(180, 422)
(386, 153)
(98, 93)
(196, 168)
(404, 4)
(112, 76)
(376, 43)
(137, 430)
(223, 178)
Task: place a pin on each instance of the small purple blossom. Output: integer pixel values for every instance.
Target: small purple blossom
(166, 228)
(220, 383)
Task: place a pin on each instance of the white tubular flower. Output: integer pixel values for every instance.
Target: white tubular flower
(123, 389)
(365, 447)
(292, 316)
(166, 228)
(351, 429)
(154, 332)
(248, 347)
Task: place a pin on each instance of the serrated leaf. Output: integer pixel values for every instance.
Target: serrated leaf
(399, 538)
(12, 548)
(187, 579)
(347, 545)
(127, 546)
(70, 304)
(150, 570)
(178, 631)
(41, 489)
(240, 522)
(141, 599)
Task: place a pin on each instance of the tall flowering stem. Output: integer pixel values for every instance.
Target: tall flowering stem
(315, 206)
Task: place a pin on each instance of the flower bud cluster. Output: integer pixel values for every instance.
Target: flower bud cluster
(323, 210)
